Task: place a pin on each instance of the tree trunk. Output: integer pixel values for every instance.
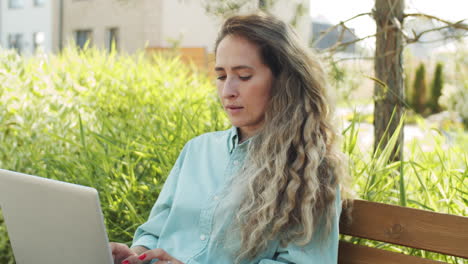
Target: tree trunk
(388, 95)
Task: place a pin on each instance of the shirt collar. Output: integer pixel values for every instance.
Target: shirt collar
(233, 139)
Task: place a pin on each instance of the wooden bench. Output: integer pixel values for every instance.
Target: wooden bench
(419, 229)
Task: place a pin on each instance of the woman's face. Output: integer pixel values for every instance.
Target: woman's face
(244, 83)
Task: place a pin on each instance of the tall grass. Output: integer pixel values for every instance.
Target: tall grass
(432, 176)
(117, 123)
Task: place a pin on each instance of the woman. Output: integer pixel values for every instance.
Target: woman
(267, 190)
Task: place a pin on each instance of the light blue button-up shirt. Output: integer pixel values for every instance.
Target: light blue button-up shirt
(181, 221)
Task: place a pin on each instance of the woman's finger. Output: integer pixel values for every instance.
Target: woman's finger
(155, 253)
(132, 260)
(120, 251)
(168, 262)
(159, 254)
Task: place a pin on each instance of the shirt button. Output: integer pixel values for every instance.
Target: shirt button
(202, 237)
(216, 197)
(236, 162)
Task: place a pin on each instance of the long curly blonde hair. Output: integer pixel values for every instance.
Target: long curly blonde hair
(293, 167)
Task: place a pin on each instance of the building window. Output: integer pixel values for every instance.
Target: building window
(39, 3)
(15, 41)
(112, 39)
(15, 4)
(83, 37)
(38, 41)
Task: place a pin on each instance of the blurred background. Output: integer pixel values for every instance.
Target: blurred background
(105, 93)
(342, 32)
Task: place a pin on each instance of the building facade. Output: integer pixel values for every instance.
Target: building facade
(126, 25)
(28, 25)
(130, 25)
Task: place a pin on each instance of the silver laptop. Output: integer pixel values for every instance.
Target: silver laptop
(52, 222)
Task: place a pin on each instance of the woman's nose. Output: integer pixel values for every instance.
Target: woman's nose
(230, 88)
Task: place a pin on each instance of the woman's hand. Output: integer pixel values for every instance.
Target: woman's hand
(146, 257)
(121, 251)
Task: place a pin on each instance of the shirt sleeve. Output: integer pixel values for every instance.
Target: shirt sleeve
(147, 234)
(323, 250)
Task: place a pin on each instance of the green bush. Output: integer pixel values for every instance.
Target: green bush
(436, 89)
(419, 92)
(455, 91)
(432, 176)
(116, 123)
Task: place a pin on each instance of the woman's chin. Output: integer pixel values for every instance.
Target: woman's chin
(236, 123)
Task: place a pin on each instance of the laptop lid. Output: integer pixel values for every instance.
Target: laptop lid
(53, 222)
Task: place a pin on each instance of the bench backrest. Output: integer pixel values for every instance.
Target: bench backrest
(420, 229)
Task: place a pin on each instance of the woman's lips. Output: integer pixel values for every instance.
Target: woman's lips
(232, 109)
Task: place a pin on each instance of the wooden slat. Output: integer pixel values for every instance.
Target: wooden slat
(357, 254)
(442, 233)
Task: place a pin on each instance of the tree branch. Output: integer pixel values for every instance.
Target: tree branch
(396, 24)
(344, 45)
(330, 29)
(458, 24)
(353, 58)
(420, 34)
(440, 39)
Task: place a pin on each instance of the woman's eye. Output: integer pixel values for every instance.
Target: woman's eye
(222, 77)
(245, 78)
